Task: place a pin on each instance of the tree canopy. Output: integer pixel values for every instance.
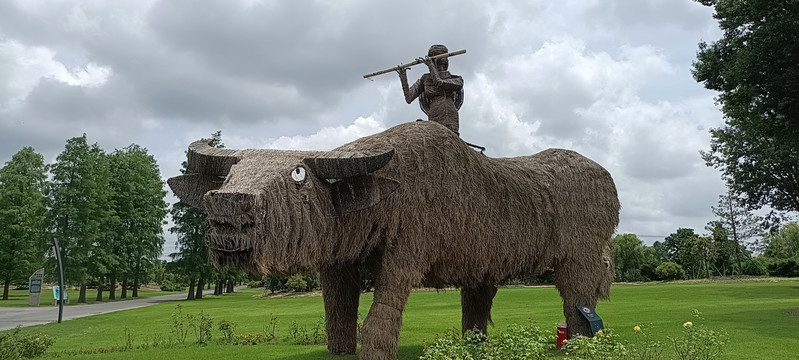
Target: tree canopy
(23, 240)
(755, 69)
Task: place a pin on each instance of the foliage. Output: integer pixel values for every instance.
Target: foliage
(170, 285)
(630, 256)
(697, 255)
(203, 324)
(754, 267)
(301, 336)
(514, 342)
(15, 345)
(674, 242)
(741, 225)
(697, 342)
(669, 271)
(784, 267)
(753, 67)
(180, 324)
(23, 240)
(138, 194)
(79, 215)
(296, 283)
(644, 346)
(228, 330)
(603, 345)
(783, 244)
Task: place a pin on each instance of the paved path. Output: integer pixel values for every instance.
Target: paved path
(10, 317)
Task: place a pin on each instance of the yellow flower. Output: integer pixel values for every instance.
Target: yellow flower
(599, 332)
(565, 341)
(688, 324)
(637, 328)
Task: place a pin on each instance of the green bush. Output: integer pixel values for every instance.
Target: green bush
(754, 267)
(255, 284)
(669, 271)
(296, 283)
(14, 345)
(514, 342)
(228, 330)
(604, 345)
(697, 342)
(784, 268)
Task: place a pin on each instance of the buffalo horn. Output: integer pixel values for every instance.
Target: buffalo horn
(208, 160)
(344, 164)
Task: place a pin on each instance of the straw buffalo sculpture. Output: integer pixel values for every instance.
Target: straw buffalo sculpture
(415, 205)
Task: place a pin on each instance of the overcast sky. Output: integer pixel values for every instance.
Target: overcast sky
(610, 79)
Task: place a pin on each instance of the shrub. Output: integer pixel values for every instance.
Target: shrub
(228, 329)
(296, 283)
(784, 268)
(180, 324)
(604, 345)
(275, 283)
(669, 271)
(14, 345)
(203, 324)
(514, 342)
(302, 336)
(698, 342)
(754, 267)
(255, 284)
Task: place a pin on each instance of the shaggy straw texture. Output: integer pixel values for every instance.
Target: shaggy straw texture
(457, 218)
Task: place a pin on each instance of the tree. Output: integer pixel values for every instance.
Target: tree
(755, 69)
(674, 242)
(80, 216)
(192, 254)
(783, 244)
(740, 224)
(697, 255)
(23, 240)
(629, 256)
(138, 202)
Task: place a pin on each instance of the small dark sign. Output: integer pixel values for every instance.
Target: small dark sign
(36, 286)
(593, 319)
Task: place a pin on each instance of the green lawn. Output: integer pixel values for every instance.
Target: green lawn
(19, 298)
(761, 317)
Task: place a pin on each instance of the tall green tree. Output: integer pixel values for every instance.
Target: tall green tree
(138, 202)
(783, 244)
(629, 256)
(23, 182)
(81, 216)
(675, 241)
(697, 255)
(755, 69)
(741, 226)
(191, 256)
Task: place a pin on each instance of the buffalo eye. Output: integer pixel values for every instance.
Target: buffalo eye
(298, 174)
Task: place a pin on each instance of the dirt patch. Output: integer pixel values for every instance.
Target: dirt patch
(794, 313)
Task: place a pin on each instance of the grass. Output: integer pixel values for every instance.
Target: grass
(760, 316)
(19, 298)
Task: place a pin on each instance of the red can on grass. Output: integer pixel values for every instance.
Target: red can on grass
(562, 333)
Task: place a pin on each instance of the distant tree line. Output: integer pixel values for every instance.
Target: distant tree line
(736, 244)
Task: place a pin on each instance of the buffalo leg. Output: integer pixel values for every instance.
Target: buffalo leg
(476, 304)
(381, 328)
(340, 291)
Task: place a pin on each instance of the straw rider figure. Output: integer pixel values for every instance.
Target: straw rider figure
(440, 93)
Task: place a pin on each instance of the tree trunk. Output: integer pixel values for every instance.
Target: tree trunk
(82, 294)
(200, 286)
(6, 285)
(112, 292)
(230, 286)
(136, 285)
(218, 288)
(99, 291)
(191, 290)
(124, 288)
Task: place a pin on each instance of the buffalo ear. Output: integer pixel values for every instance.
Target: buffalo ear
(360, 192)
(190, 188)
